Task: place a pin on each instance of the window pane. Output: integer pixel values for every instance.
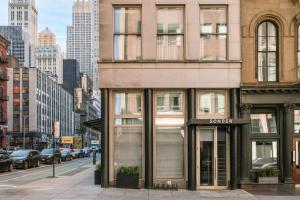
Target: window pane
(262, 43)
(272, 74)
(128, 121)
(206, 103)
(222, 28)
(170, 47)
(206, 28)
(263, 123)
(272, 44)
(128, 147)
(128, 103)
(297, 121)
(264, 154)
(220, 103)
(262, 29)
(213, 16)
(127, 47)
(213, 47)
(169, 152)
(262, 59)
(169, 103)
(127, 20)
(271, 30)
(169, 121)
(170, 20)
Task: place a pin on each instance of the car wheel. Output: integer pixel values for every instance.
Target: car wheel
(10, 168)
(25, 165)
(38, 164)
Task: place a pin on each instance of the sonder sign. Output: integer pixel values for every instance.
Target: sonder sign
(220, 121)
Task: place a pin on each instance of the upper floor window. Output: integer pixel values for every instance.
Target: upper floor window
(127, 33)
(170, 33)
(267, 52)
(213, 33)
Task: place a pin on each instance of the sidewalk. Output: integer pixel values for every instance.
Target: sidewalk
(80, 187)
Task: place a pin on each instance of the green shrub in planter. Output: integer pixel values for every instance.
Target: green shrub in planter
(267, 176)
(128, 177)
(98, 175)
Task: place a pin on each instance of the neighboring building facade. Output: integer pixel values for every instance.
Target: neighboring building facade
(4, 62)
(79, 36)
(20, 46)
(95, 43)
(270, 93)
(169, 78)
(49, 58)
(36, 103)
(71, 75)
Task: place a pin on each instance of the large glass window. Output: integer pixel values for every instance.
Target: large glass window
(128, 130)
(127, 33)
(213, 33)
(263, 123)
(297, 121)
(211, 102)
(169, 129)
(267, 52)
(264, 154)
(170, 33)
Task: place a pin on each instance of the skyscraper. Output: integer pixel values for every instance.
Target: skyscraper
(49, 58)
(79, 36)
(95, 43)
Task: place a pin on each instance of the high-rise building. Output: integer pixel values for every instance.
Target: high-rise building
(95, 43)
(79, 36)
(71, 75)
(20, 46)
(24, 13)
(49, 58)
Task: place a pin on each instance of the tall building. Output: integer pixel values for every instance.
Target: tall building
(4, 63)
(49, 58)
(24, 13)
(36, 103)
(71, 75)
(20, 46)
(79, 36)
(95, 43)
(170, 73)
(270, 93)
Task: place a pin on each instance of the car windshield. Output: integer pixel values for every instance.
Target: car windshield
(47, 151)
(20, 154)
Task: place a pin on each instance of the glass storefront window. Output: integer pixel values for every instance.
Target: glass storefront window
(128, 103)
(213, 37)
(212, 102)
(264, 154)
(263, 123)
(169, 156)
(170, 33)
(297, 121)
(169, 103)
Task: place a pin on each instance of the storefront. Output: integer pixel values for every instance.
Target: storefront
(33, 140)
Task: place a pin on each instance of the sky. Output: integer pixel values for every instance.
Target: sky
(56, 14)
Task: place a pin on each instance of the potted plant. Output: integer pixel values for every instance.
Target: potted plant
(98, 175)
(128, 177)
(267, 176)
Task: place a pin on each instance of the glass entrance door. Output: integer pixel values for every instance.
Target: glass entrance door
(211, 158)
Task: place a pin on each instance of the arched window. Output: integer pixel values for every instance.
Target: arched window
(298, 51)
(267, 52)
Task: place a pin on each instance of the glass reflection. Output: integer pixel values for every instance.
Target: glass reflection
(169, 103)
(263, 123)
(128, 103)
(264, 154)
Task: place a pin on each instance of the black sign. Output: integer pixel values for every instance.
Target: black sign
(218, 122)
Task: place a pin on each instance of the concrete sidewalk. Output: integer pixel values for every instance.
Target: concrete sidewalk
(79, 186)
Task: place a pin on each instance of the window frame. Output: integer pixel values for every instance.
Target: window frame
(298, 50)
(267, 51)
(215, 33)
(171, 34)
(137, 34)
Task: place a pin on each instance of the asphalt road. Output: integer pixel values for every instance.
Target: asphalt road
(20, 177)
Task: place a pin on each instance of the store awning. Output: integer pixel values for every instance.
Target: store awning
(218, 122)
(93, 124)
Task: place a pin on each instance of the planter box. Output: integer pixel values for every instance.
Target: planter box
(128, 181)
(268, 180)
(97, 178)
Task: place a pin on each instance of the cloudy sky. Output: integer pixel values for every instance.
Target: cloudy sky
(56, 14)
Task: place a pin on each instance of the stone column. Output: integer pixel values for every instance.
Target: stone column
(234, 139)
(105, 138)
(245, 154)
(191, 105)
(287, 142)
(148, 117)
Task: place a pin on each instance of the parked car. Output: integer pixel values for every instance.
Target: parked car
(66, 155)
(86, 151)
(25, 159)
(6, 163)
(77, 153)
(47, 156)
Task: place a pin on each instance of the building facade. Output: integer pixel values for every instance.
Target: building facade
(36, 103)
(20, 46)
(270, 93)
(95, 42)
(71, 75)
(49, 58)
(4, 63)
(170, 73)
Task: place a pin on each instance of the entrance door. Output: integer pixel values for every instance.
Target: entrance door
(211, 158)
(296, 159)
